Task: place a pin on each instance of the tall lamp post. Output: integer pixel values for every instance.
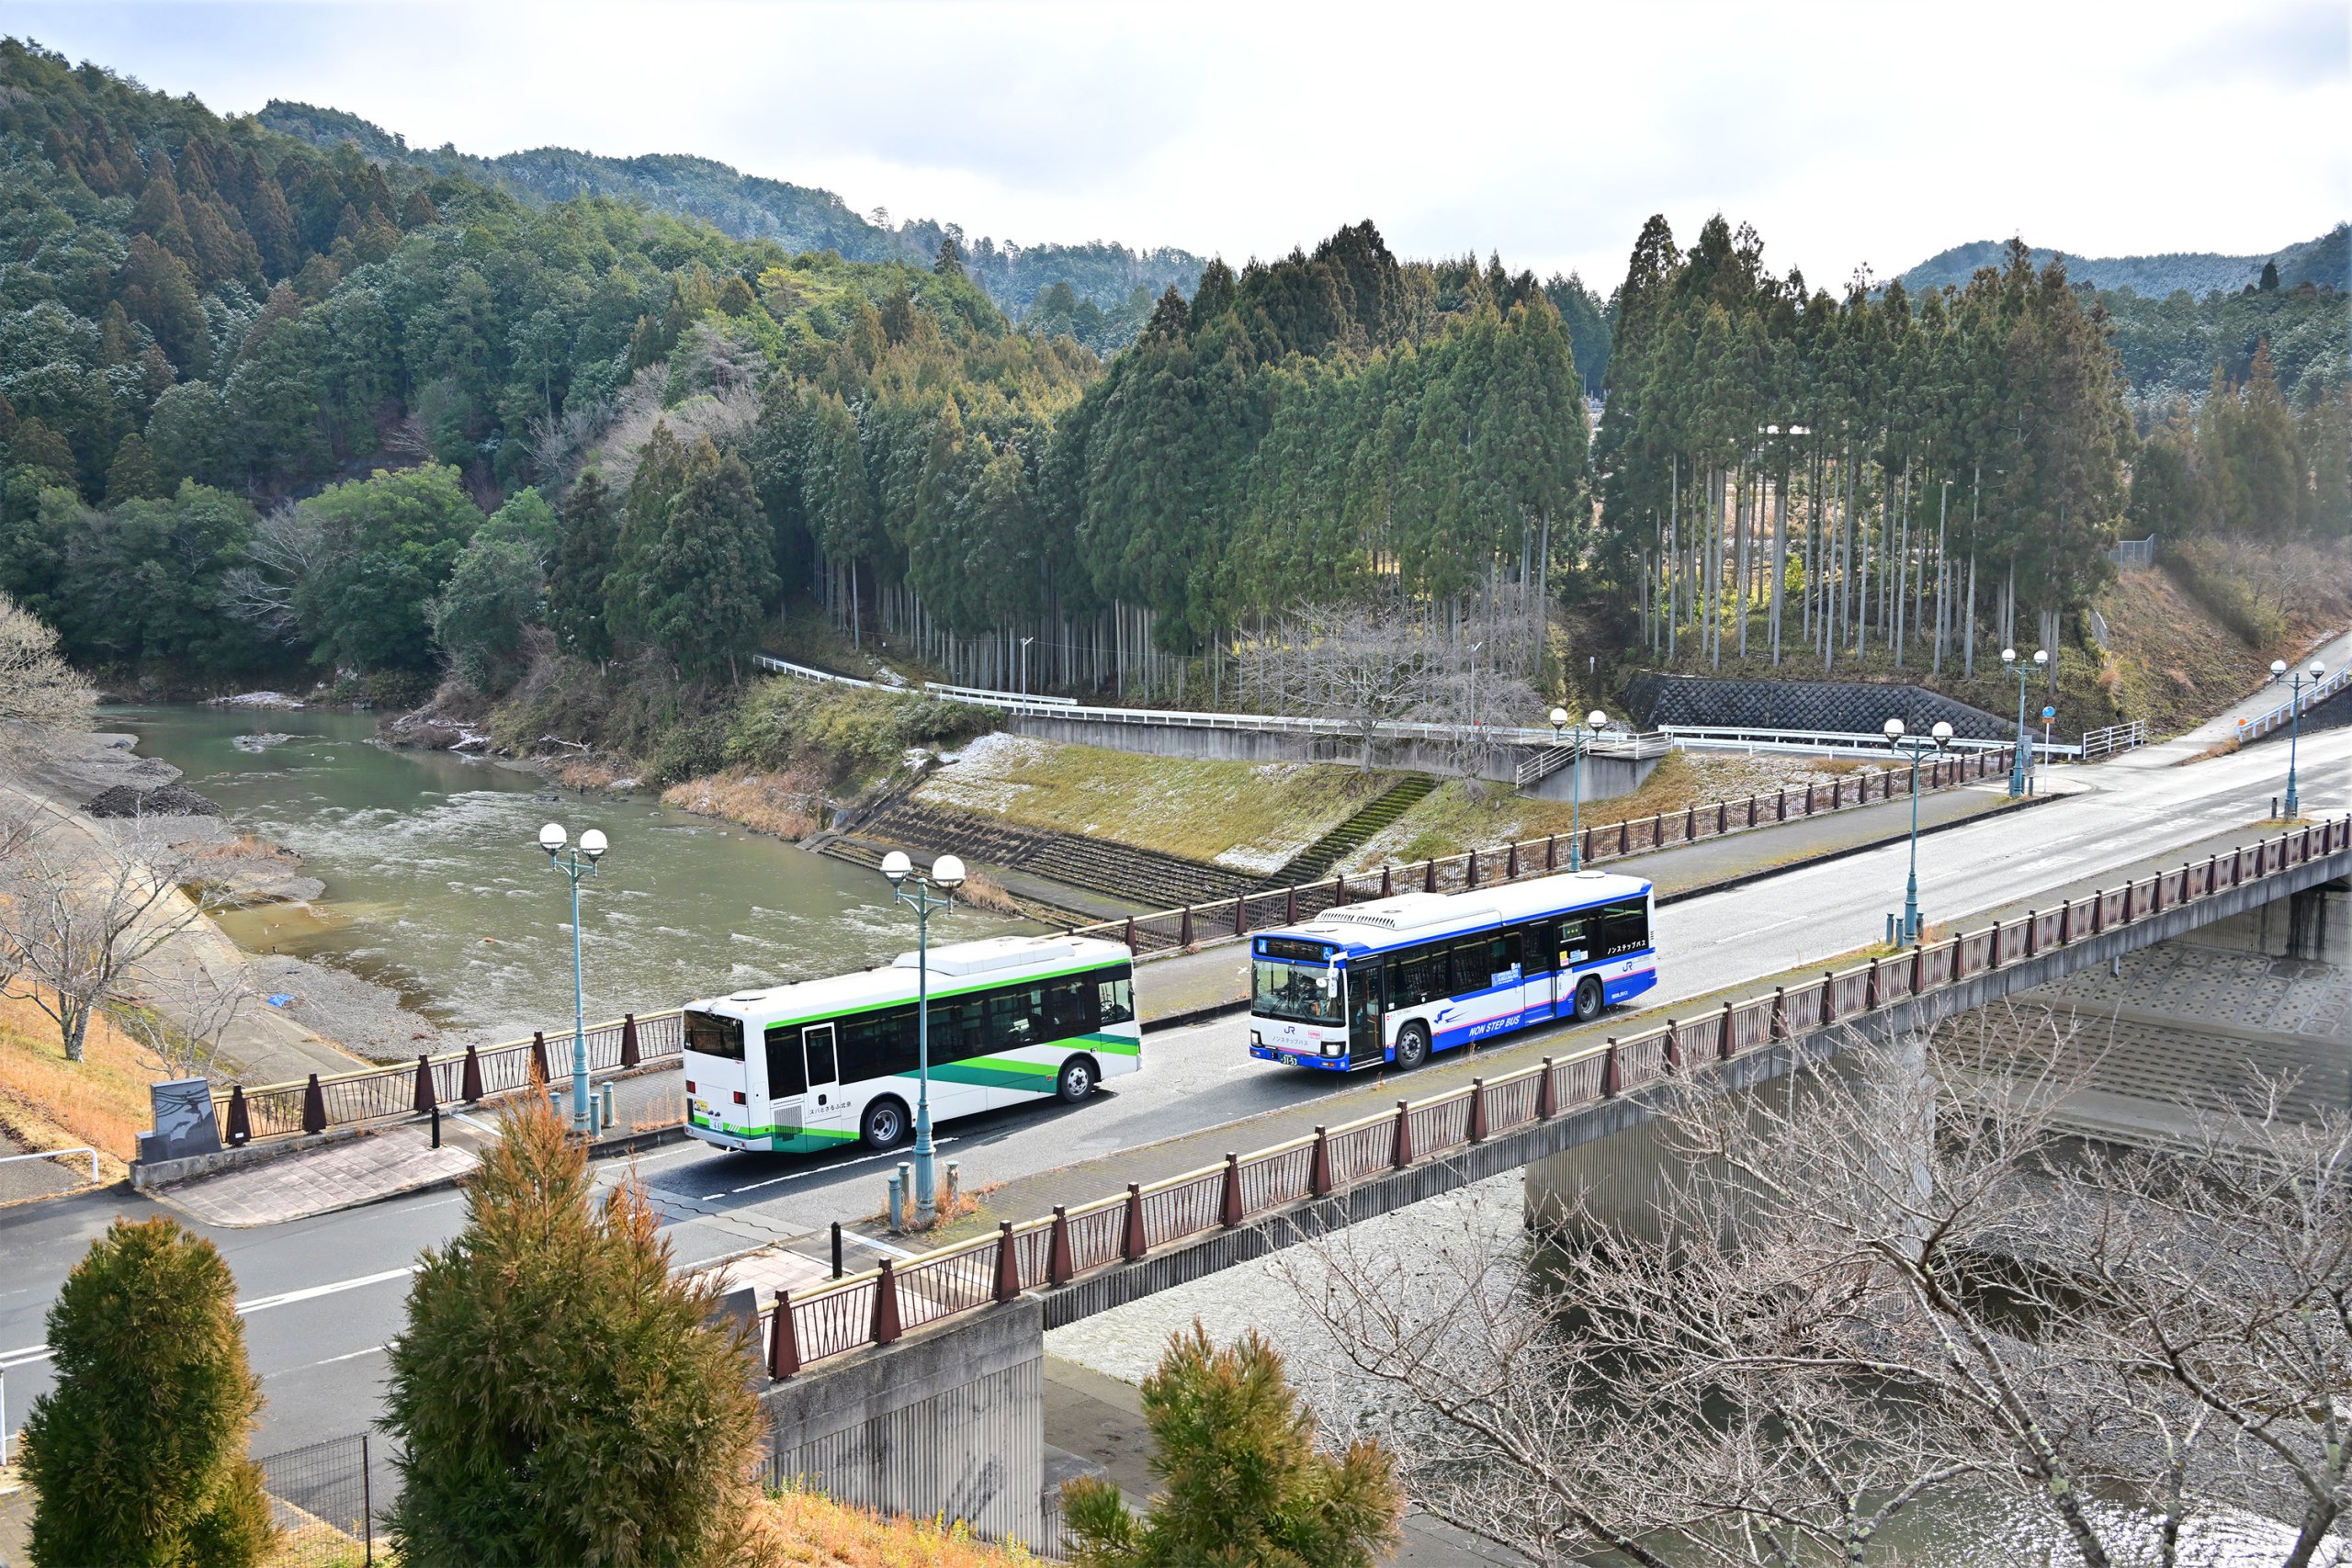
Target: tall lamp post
(1025, 664)
(922, 894)
(1594, 722)
(2295, 719)
(2009, 660)
(1915, 747)
(552, 838)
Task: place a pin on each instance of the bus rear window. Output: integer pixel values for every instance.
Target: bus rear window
(713, 1034)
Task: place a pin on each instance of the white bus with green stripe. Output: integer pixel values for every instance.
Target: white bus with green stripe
(827, 1063)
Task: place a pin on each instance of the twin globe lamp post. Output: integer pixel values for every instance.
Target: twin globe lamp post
(1916, 746)
(2017, 764)
(1594, 723)
(2295, 684)
(922, 894)
(552, 838)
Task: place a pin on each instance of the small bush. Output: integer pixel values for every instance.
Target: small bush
(137, 1456)
(2219, 579)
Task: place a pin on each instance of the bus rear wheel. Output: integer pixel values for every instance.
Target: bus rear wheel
(1412, 1047)
(1077, 1080)
(884, 1125)
(1588, 999)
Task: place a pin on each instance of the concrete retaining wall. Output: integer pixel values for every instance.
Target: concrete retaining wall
(948, 1422)
(1604, 777)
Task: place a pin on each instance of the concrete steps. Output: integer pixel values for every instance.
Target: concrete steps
(1311, 863)
(1146, 878)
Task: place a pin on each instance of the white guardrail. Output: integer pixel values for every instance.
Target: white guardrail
(59, 1154)
(2276, 718)
(1550, 753)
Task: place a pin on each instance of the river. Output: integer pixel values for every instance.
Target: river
(435, 887)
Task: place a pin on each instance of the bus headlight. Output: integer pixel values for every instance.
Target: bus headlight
(1331, 1047)
(1257, 1037)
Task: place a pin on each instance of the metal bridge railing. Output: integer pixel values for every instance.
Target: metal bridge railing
(1048, 1252)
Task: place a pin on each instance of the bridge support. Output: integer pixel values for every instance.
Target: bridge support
(947, 1422)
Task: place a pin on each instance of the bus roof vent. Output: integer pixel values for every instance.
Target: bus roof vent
(992, 953)
(1405, 912)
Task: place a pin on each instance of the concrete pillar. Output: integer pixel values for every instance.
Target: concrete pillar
(946, 1422)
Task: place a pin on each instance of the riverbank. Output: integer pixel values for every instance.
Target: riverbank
(297, 1017)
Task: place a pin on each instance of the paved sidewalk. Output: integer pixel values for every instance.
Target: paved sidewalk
(340, 1175)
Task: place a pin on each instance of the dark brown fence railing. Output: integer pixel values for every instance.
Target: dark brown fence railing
(1165, 931)
(875, 1308)
(446, 1079)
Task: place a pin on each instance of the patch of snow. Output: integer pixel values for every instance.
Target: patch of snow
(255, 699)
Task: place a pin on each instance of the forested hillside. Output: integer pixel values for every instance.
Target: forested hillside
(1104, 275)
(268, 408)
(2323, 261)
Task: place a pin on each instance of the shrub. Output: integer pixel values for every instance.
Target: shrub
(1241, 1479)
(2215, 577)
(843, 732)
(559, 1395)
(137, 1456)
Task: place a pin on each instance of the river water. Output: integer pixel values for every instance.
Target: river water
(435, 887)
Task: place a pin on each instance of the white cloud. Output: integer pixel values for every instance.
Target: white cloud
(1847, 134)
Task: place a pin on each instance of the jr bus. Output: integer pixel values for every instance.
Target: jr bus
(1394, 979)
(818, 1065)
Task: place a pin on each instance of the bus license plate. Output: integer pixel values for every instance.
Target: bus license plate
(1290, 1058)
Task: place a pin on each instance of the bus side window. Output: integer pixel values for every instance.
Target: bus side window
(1115, 998)
(1068, 1004)
(1502, 959)
(1576, 940)
(787, 1076)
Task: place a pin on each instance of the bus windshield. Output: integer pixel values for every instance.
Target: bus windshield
(1282, 989)
(715, 1035)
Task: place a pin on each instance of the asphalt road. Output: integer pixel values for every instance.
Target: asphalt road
(323, 1295)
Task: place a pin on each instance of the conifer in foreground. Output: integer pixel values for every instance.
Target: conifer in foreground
(558, 1395)
(137, 1457)
(1242, 1482)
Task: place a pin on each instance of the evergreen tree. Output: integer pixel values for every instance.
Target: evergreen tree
(133, 475)
(1242, 1482)
(560, 1396)
(584, 559)
(137, 1457)
(950, 260)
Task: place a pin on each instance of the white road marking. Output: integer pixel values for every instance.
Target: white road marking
(259, 1303)
(823, 1170)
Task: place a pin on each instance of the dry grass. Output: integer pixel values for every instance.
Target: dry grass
(983, 891)
(781, 804)
(49, 1102)
(1249, 815)
(801, 1530)
(1457, 817)
(2172, 662)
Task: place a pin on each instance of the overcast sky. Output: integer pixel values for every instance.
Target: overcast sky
(1849, 135)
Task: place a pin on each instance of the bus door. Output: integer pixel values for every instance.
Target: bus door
(1574, 945)
(824, 1111)
(1366, 1043)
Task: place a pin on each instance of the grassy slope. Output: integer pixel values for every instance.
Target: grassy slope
(1254, 815)
(1455, 818)
(49, 1102)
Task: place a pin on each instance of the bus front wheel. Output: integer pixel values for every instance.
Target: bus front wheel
(1412, 1047)
(884, 1125)
(1588, 999)
(1077, 1080)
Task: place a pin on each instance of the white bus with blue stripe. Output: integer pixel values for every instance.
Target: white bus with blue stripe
(1396, 979)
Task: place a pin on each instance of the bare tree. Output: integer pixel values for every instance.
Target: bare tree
(83, 911)
(1873, 1290)
(287, 546)
(181, 1016)
(40, 697)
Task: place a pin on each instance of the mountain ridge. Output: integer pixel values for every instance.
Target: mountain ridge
(2325, 260)
(1105, 273)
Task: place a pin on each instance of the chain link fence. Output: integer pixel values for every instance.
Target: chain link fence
(331, 1499)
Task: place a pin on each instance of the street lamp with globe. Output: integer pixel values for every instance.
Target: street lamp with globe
(1916, 746)
(2017, 764)
(923, 894)
(2295, 684)
(580, 863)
(1588, 730)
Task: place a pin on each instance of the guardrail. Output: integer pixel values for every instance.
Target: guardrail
(1704, 736)
(1046, 1252)
(2277, 718)
(1230, 919)
(391, 1092)
(2114, 738)
(59, 1154)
